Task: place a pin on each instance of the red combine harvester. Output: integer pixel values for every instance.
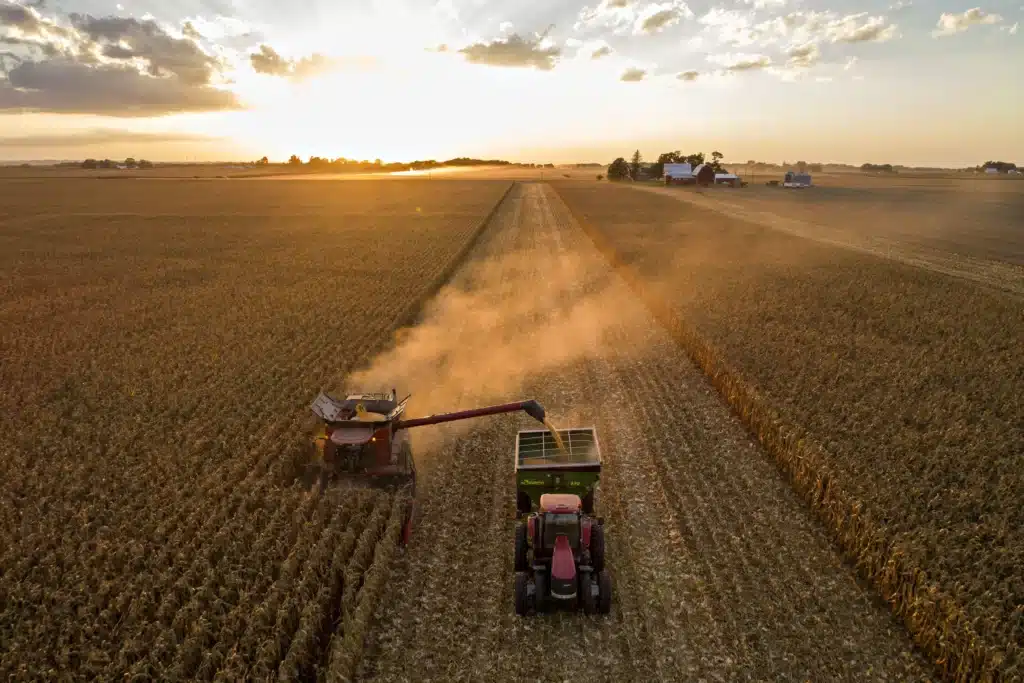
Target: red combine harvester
(364, 439)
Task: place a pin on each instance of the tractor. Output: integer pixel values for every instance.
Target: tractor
(559, 544)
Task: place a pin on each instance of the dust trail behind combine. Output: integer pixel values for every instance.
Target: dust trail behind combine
(719, 571)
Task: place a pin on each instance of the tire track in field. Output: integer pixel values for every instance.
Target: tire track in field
(719, 572)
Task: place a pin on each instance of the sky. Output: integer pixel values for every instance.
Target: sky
(916, 82)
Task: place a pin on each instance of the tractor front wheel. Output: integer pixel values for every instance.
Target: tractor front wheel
(522, 593)
(587, 593)
(604, 593)
(521, 548)
(540, 591)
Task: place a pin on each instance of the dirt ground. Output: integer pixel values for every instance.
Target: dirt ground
(719, 571)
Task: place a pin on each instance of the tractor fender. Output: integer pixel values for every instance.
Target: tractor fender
(586, 525)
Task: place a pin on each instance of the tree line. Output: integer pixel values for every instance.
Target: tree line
(620, 169)
(343, 164)
(130, 162)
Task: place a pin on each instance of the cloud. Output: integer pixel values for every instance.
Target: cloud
(506, 27)
(657, 17)
(848, 30)
(738, 29)
(850, 63)
(1012, 30)
(97, 137)
(741, 61)
(951, 24)
(514, 51)
(115, 66)
(19, 17)
(803, 56)
(64, 86)
(622, 16)
(269, 62)
(189, 30)
(447, 8)
(128, 38)
(633, 75)
(764, 4)
(688, 75)
(602, 51)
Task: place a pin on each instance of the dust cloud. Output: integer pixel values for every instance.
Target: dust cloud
(506, 322)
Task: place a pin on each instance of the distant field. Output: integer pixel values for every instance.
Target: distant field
(160, 344)
(971, 217)
(911, 382)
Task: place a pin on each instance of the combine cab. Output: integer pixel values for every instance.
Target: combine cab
(360, 438)
(559, 545)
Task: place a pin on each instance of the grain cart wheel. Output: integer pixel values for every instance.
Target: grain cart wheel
(521, 547)
(540, 591)
(522, 593)
(597, 548)
(587, 593)
(604, 598)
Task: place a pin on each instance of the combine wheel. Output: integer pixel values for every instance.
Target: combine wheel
(521, 548)
(522, 593)
(604, 597)
(587, 593)
(597, 548)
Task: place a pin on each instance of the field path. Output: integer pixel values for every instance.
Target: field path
(1001, 275)
(720, 573)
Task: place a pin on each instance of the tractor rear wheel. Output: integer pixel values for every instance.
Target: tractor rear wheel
(587, 593)
(597, 548)
(522, 593)
(521, 547)
(604, 589)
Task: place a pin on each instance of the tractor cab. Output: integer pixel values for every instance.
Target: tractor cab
(559, 515)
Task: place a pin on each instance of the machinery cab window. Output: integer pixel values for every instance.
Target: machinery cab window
(560, 524)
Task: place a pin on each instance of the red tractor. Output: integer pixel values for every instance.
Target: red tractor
(559, 546)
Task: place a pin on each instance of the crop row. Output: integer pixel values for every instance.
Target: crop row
(160, 366)
(889, 395)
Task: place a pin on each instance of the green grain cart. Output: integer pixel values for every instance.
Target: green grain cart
(559, 544)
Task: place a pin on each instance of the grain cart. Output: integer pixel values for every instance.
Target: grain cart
(363, 439)
(559, 544)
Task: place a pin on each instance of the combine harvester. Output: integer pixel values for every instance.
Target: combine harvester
(559, 553)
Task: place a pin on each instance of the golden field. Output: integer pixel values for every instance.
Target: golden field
(162, 340)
